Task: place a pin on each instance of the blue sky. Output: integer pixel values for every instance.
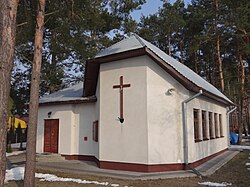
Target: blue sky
(150, 7)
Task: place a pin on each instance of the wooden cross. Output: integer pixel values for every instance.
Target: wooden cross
(121, 86)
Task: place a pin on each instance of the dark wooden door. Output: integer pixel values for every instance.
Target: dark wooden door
(51, 133)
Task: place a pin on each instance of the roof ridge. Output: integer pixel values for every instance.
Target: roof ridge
(132, 41)
(139, 39)
(115, 44)
(62, 90)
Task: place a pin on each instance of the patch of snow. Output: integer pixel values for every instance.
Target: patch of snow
(17, 145)
(248, 169)
(247, 164)
(214, 184)
(17, 173)
(14, 174)
(15, 153)
(115, 185)
(245, 147)
(54, 178)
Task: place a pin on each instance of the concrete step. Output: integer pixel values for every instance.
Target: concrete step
(49, 157)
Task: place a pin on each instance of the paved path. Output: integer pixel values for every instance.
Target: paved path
(53, 162)
(90, 168)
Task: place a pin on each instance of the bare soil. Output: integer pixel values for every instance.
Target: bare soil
(234, 172)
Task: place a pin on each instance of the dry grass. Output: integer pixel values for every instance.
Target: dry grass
(234, 172)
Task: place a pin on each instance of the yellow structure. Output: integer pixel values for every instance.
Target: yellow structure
(16, 123)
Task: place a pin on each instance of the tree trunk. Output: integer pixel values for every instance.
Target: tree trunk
(218, 46)
(213, 67)
(53, 70)
(8, 10)
(243, 76)
(29, 177)
(240, 121)
(169, 44)
(248, 118)
(243, 99)
(181, 50)
(196, 62)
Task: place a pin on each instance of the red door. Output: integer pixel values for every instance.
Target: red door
(51, 132)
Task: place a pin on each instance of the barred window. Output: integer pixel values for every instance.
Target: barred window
(196, 125)
(204, 125)
(210, 116)
(95, 131)
(221, 126)
(216, 125)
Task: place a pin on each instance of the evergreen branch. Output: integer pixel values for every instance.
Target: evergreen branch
(25, 58)
(21, 24)
(51, 13)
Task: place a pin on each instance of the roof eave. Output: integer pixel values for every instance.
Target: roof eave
(118, 56)
(76, 101)
(189, 85)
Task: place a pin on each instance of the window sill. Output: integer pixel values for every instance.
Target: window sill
(196, 141)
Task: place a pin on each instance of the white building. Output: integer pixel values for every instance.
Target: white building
(163, 117)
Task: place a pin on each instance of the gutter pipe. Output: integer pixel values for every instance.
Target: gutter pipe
(228, 129)
(185, 136)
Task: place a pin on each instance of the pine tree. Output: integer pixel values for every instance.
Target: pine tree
(29, 177)
(8, 10)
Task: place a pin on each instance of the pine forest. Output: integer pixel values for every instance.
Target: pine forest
(212, 37)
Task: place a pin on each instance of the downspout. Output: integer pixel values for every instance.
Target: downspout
(185, 136)
(228, 129)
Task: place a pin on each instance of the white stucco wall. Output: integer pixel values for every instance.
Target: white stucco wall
(164, 116)
(153, 129)
(165, 120)
(199, 150)
(86, 118)
(126, 142)
(75, 123)
(65, 115)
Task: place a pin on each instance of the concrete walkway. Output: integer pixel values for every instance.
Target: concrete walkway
(57, 163)
(54, 162)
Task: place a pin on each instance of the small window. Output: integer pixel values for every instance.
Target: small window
(221, 127)
(204, 125)
(216, 125)
(210, 116)
(95, 131)
(196, 125)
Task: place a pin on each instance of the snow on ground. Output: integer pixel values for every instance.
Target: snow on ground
(15, 153)
(214, 184)
(247, 164)
(18, 174)
(245, 147)
(14, 174)
(17, 145)
(114, 185)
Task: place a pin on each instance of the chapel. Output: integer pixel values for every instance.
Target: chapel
(137, 109)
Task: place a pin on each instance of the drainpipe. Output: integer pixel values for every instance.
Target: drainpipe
(228, 129)
(185, 136)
